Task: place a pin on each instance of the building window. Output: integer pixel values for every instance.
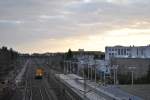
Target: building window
(142, 52)
(124, 51)
(128, 49)
(121, 51)
(110, 54)
(118, 51)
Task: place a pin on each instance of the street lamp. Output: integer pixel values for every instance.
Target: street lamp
(73, 67)
(88, 71)
(70, 67)
(91, 72)
(132, 71)
(77, 68)
(64, 68)
(115, 67)
(95, 71)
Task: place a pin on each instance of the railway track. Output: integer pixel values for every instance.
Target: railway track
(36, 89)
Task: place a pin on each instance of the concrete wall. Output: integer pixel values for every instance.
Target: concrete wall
(142, 65)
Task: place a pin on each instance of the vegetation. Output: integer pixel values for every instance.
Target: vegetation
(7, 57)
(69, 55)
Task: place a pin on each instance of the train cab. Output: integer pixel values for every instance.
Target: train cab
(39, 73)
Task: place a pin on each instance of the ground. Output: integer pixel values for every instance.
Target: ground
(139, 90)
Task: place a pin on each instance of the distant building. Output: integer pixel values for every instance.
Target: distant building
(82, 54)
(86, 58)
(81, 50)
(127, 52)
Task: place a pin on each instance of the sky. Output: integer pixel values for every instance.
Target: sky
(57, 25)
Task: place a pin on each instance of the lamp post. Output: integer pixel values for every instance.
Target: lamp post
(91, 72)
(73, 68)
(88, 71)
(78, 68)
(64, 67)
(95, 72)
(115, 67)
(132, 72)
(70, 67)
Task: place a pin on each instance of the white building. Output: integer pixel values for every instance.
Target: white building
(127, 52)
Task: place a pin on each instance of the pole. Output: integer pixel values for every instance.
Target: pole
(91, 73)
(67, 68)
(104, 78)
(132, 78)
(64, 67)
(95, 73)
(71, 66)
(83, 70)
(114, 76)
(78, 68)
(84, 83)
(88, 72)
(101, 76)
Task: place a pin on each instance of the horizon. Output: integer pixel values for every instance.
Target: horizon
(72, 49)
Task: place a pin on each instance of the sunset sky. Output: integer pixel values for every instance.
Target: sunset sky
(56, 25)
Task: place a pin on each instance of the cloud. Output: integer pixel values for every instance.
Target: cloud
(118, 1)
(51, 16)
(30, 21)
(11, 22)
(127, 32)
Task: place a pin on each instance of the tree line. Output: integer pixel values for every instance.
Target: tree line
(7, 57)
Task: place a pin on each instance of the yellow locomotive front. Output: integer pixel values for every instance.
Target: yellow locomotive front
(39, 73)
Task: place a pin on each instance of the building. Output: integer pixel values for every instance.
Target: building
(127, 52)
(141, 66)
